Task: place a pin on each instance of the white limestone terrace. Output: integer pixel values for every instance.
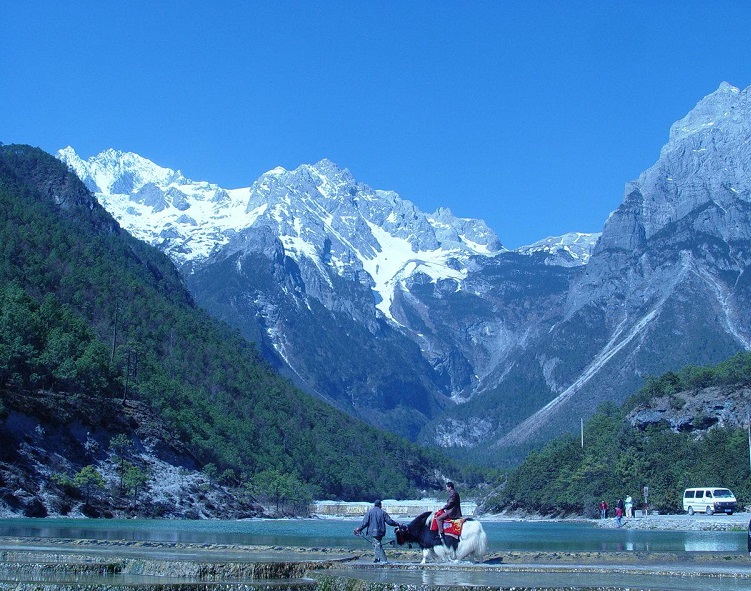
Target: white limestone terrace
(396, 508)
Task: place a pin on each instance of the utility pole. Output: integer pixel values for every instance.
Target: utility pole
(582, 431)
(114, 332)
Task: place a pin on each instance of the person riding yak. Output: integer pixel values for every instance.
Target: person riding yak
(451, 510)
(460, 539)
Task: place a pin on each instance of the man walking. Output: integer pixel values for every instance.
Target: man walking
(374, 523)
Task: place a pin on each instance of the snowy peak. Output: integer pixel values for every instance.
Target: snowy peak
(726, 103)
(570, 250)
(475, 233)
(187, 219)
(319, 212)
(113, 171)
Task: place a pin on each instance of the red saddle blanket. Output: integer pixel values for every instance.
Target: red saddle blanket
(451, 527)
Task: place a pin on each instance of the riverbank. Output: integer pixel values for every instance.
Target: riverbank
(683, 522)
(409, 509)
(696, 522)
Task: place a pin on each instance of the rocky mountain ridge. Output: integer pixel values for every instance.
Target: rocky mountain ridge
(347, 286)
(667, 281)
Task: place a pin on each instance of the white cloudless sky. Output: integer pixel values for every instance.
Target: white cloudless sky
(531, 115)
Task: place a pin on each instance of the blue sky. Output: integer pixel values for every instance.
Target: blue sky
(531, 115)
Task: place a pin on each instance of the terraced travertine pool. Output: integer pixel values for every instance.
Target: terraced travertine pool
(322, 555)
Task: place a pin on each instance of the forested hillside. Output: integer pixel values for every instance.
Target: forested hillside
(102, 320)
(626, 448)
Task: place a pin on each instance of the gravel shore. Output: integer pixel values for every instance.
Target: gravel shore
(683, 522)
(699, 521)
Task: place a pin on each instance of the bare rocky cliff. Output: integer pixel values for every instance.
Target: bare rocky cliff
(695, 411)
(48, 438)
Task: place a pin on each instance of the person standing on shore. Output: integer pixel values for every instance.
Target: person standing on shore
(618, 512)
(603, 509)
(374, 523)
(629, 506)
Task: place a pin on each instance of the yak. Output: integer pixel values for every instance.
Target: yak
(471, 544)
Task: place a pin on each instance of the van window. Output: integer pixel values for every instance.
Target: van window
(699, 494)
(722, 493)
(709, 494)
(689, 494)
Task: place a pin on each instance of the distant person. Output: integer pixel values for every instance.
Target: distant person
(603, 509)
(451, 510)
(629, 503)
(618, 513)
(374, 522)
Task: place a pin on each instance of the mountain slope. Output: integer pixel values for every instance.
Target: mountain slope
(313, 266)
(667, 283)
(149, 342)
(424, 324)
(681, 429)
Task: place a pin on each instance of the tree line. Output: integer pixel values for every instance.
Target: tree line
(617, 459)
(84, 307)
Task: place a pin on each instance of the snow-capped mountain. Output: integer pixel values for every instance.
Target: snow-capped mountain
(318, 212)
(188, 220)
(340, 258)
(424, 324)
(570, 250)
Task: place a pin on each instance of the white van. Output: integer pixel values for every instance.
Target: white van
(709, 499)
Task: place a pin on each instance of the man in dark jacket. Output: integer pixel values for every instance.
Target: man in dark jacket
(374, 524)
(451, 510)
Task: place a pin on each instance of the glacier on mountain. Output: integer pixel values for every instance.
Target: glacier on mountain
(317, 211)
(570, 250)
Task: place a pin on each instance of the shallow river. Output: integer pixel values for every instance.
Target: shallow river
(544, 537)
(502, 536)
(552, 580)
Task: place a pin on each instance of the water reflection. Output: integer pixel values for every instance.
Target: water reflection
(509, 579)
(450, 578)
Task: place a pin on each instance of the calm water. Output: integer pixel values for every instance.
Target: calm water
(502, 536)
(529, 580)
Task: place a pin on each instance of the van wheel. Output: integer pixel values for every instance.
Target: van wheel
(709, 510)
(690, 510)
(730, 512)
